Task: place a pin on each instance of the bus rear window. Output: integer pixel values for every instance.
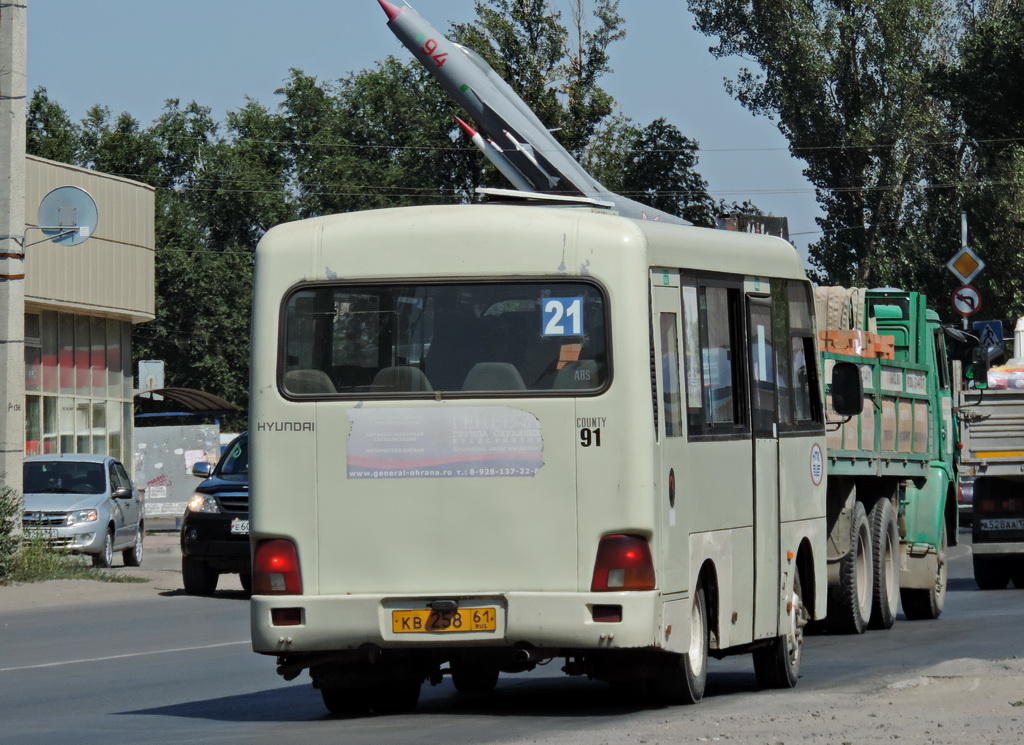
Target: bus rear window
(422, 339)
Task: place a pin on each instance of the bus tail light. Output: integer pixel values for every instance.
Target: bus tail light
(623, 563)
(276, 569)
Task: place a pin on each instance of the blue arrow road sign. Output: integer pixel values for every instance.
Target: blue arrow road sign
(990, 333)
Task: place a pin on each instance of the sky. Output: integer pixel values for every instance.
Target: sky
(132, 55)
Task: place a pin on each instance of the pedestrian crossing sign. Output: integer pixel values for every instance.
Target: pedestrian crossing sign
(990, 333)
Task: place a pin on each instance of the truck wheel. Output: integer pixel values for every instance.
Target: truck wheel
(106, 555)
(778, 665)
(1017, 574)
(346, 701)
(885, 542)
(850, 600)
(991, 574)
(684, 679)
(925, 605)
(198, 577)
(132, 555)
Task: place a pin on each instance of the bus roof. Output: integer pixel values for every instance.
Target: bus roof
(507, 239)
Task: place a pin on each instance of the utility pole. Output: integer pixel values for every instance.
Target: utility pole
(12, 238)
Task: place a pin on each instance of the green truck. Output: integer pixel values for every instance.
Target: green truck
(892, 470)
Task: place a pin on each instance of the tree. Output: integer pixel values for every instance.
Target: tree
(655, 165)
(984, 87)
(380, 137)
(849, 83)
(50, 133)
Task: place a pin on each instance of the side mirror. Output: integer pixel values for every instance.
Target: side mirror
(977, 370)
(202, 469)
(122, 492)
(847, 389)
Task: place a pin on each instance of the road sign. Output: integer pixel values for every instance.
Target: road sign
(965, 265)
(990, 333)
(966, 300)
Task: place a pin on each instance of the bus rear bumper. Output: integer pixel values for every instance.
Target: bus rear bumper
(547, 620)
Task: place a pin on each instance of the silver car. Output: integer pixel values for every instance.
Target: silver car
(86, 504)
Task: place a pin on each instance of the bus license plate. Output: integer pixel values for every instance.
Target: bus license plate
(1003, 523)
(239, 526)
(427, 620)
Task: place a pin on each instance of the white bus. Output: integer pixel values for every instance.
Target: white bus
(488, 437)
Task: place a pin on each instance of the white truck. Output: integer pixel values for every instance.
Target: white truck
(991, 415)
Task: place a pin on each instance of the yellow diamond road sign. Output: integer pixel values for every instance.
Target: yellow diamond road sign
(965, 265)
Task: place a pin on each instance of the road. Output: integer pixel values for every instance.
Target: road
(168, 668)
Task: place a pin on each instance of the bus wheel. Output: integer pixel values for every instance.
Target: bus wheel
(778, 664)
(927, 604)
(850, 601)
(885, 542)
(396, 697)
(346, 701)
(683, 680)
(990, 574)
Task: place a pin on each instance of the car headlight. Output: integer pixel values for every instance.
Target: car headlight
(82, 516)
(202, 503)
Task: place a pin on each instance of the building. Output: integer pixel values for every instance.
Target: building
(80, 305)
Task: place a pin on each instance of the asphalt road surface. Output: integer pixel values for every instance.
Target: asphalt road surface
(169, 668)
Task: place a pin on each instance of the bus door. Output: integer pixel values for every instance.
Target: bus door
(764, 428)
(666, 329)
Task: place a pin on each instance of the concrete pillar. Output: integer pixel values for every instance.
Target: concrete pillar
(12, 239)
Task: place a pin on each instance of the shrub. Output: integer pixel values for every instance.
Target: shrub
(10, 522)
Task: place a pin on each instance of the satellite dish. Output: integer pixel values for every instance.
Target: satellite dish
(68, 215)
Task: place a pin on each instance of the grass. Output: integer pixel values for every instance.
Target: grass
(37, 561)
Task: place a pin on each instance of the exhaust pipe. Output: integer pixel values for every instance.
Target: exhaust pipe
(521, 655)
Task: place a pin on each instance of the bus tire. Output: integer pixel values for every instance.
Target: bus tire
(991, 574)
(778, 664)
(684, 679)
(346, 701)
(923, 605)
(885, 544)
(850, 600)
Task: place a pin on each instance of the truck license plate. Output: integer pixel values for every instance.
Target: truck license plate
(239, 526)
(1003, 523)
(427, 620)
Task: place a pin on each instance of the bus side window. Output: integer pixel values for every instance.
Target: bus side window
(803, 407)
(714, 369)
(670, 376)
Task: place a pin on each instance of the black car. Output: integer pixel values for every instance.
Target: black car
(215, 529)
